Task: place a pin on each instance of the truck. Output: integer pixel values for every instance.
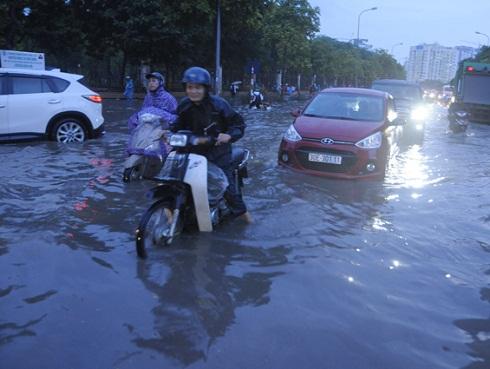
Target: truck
(409, 105)
(472, 93)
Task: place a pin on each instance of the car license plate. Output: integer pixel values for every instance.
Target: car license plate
(324, 158)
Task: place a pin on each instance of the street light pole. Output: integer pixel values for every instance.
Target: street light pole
(484, 34)
(359, 22)
(395, 45)
(217, 82)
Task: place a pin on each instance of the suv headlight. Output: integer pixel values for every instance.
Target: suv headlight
(371, 142)
(292, 135)
(419, 113)
(178, 140)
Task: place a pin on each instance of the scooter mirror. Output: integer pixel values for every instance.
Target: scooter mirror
(296, 113)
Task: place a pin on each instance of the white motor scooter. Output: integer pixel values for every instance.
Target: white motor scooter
(189, 193)
(145, 154)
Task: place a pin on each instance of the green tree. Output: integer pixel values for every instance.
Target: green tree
(12, 23)
(291, 24)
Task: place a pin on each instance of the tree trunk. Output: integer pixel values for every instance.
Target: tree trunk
(123, 69)
(279, 82)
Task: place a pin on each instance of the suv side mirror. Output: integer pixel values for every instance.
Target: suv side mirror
(296, 113)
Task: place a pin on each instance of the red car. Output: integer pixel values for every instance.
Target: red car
(344, 133)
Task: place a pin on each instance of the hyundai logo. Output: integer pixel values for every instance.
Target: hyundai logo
(327, 141)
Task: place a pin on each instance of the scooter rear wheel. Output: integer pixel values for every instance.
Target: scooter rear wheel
(154, 229)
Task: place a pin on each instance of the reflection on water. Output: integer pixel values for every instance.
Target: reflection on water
(198, 294)
(479, 331)
(360, 274)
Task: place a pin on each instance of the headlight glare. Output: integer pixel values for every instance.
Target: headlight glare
(419, 113)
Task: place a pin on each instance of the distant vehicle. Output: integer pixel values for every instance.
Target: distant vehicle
(473, 91)
(447, 90)
(346, 133)
(409, 105)
(51, 104)
(446, 96)
(458, 120)
(430, 96)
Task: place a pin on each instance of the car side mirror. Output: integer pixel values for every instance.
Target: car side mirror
(296, 113)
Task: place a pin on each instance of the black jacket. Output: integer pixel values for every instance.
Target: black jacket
(213, 109)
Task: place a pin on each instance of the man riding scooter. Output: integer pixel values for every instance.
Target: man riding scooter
(146, 147)
(199, 111)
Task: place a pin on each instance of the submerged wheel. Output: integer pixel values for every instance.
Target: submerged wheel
(155, 227)
(69, 130)
(130, 174)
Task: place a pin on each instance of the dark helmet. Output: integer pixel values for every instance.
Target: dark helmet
(158, 76)
(197, 75)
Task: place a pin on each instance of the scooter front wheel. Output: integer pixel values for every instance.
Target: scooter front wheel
(155, 228)
(132, 173)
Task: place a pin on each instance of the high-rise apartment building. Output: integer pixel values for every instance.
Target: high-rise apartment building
(435, 62)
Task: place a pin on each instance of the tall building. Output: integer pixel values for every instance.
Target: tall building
(435, 62)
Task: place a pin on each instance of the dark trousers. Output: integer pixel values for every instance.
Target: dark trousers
(233, 194)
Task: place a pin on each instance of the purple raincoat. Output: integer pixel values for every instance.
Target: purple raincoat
(160, 103)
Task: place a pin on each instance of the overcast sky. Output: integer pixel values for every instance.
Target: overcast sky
(448, 22)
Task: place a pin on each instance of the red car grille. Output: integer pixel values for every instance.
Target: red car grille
(348, 160)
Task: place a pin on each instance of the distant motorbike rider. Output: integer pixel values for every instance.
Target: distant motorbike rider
(234, 89)
(158, 102)
(200, 110)
(129, 88)
(256, 99)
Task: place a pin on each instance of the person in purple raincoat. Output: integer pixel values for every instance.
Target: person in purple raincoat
(159, 102)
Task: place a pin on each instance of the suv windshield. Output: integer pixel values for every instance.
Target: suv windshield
(399, 91)
(346, 106)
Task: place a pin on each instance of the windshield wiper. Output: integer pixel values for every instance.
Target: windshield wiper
(342, 118)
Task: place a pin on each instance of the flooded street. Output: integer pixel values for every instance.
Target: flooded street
(332, 274)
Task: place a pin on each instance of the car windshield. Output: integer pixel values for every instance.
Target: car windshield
(399, 91)
(346, 106)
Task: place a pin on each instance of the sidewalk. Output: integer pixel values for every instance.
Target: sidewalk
(106, 95)
(244, 95)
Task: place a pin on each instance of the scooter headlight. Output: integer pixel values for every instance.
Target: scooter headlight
(292, 135)
(149, 118)
(371, 142)
(178, 140)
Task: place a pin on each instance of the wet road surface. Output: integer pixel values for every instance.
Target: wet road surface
(332, 274)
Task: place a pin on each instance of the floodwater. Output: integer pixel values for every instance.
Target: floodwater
(332, 274)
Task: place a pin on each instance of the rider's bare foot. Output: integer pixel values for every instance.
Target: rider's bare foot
(246, 217)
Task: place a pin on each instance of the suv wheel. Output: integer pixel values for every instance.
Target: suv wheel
(69, 130)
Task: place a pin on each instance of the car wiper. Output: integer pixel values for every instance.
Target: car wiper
(342, 118)
(328, 117)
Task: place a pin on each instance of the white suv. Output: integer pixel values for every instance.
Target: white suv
(47, 103)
